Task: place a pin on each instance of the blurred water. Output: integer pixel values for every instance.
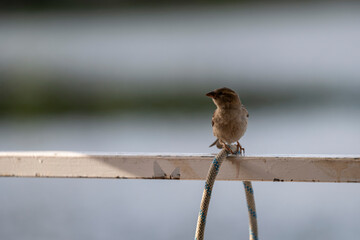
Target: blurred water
(271, 45)
(140, 209)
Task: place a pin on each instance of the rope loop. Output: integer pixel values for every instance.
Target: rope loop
(205, 201)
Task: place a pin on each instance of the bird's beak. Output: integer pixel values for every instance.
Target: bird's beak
(211, 94)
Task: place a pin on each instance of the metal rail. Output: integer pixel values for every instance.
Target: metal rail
(294, 168)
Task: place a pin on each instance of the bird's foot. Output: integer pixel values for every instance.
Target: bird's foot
(228, 149)
(239, 149)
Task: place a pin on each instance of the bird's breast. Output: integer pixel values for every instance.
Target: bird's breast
(229, 125)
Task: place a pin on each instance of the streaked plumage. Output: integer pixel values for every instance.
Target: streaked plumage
(230, 118)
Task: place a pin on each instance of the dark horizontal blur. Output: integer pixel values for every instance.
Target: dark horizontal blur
(57, 97)
(120, 4)
(76, 60)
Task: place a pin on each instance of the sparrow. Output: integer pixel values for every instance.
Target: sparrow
(229, 121)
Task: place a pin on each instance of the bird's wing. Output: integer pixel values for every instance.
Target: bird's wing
(246, 111)
(212, 124)
(212, 120)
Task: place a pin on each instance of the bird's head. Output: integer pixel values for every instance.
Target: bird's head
(225, 98)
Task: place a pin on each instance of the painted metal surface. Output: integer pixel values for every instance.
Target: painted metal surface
(297, 168)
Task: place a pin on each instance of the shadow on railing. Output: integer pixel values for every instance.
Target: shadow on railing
(295, 168)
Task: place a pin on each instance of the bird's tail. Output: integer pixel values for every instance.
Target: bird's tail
(218, 144)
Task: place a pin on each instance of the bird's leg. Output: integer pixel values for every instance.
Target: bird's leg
(239, 148)
(227, 148)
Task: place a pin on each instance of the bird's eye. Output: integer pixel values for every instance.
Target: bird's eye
(220, 93)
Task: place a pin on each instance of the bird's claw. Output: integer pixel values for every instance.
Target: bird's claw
(240, 149)
(228, 149)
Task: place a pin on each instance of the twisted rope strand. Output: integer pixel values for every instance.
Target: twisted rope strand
(213, 171)
(205, 201)
(249, 193)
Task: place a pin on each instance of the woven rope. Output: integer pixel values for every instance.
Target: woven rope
(205, 201)
(249, 193)
(213, 171)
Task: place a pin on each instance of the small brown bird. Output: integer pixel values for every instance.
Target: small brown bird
(229, 121)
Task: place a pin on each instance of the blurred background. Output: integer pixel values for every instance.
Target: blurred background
(131, 76)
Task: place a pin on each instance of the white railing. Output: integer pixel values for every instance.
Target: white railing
(297, 168)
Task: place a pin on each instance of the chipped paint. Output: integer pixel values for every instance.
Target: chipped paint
(295, 168)
(158, 172)
(175, 174)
